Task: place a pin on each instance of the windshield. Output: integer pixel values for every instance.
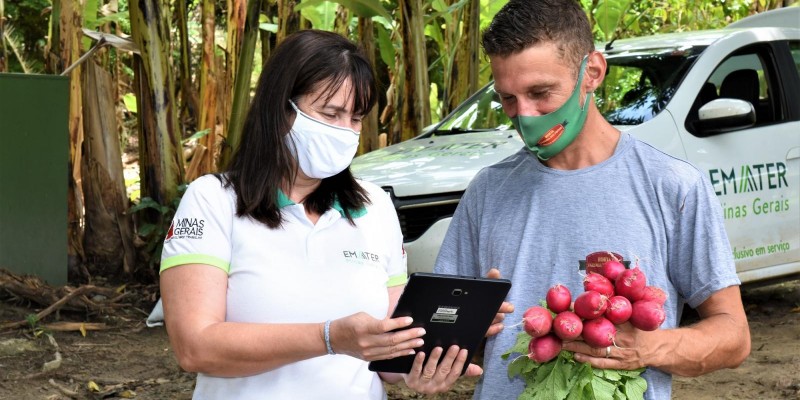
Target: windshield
(638, 85)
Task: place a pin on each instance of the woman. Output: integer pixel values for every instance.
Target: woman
(278, 276)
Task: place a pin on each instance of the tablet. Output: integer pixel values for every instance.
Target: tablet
(453, 309)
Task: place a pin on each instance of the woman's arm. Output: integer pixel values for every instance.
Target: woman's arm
(194, 299)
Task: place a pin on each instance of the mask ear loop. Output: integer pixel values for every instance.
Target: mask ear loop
(581, 73)
(300, 112)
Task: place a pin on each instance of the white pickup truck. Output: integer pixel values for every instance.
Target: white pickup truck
(726, 100)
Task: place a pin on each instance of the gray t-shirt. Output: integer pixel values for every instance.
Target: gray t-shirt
(535, 223)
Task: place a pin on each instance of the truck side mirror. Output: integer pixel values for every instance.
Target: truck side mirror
(725, 115)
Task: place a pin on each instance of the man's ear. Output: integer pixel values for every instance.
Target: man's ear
(595, 71)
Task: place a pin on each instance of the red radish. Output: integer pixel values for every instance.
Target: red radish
(612, 269)
(598, 283)
(619, 310)
(630, 284)
(543, 349)
(537, 321)
(590, 305)
(647, 315)
(654, 293)
(567, 325)
(599, 332)
(558, 298)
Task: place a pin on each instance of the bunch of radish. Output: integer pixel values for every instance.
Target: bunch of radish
(613, 295)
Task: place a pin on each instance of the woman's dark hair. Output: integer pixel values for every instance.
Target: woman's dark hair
(524, 23)
(304, 62)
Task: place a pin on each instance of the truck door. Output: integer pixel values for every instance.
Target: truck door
(755, 169)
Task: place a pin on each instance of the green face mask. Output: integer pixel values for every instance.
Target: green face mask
(547, 135)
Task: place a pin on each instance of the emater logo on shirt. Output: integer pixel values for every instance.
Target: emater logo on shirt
(185, 228)
(361, 256)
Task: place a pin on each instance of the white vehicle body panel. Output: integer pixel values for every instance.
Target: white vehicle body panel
(436, 165)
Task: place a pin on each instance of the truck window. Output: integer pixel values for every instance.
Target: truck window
(795, 49)
(638, 85)
(746, 75)
(482, 112)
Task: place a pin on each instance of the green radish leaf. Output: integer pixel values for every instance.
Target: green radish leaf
(611, 375)
(603, 389)
(635, 388)
(520, 347)
(565, 379)
(545, 382)
(521, 366)
(634, 373)
(581, 377)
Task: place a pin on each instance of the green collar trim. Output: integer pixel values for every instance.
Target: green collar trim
(284, 201)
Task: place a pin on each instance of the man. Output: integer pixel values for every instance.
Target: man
(580, 186)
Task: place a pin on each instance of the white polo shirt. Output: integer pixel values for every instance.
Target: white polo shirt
(300, 272)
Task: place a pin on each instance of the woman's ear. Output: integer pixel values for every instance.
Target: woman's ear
(595, 71)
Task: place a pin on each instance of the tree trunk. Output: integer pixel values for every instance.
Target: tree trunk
(63, 50)
(241, 87)
(204, 161)
(415, 107)
(268, 8)
(288, 19)
(341, 24)
(188, 94)
(237, 13)
(369, 127)
(465, 66)
(3, 52)
(108, 232)
(161, 159)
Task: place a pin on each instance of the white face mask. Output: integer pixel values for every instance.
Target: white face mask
(323, 150)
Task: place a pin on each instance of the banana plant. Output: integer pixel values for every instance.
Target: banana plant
(203, 160)
(454, 27)
(161, 158)
(63, 49)
(242, 81)
(414, 104)
(3, 52)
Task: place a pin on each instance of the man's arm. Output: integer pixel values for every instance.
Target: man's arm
(721, 339)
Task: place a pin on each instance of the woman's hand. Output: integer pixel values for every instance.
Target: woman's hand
(362, 336)
(430, 378)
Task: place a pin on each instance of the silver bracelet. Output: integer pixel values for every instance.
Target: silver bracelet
(328, 337)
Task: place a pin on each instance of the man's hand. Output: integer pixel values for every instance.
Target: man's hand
(505, 308)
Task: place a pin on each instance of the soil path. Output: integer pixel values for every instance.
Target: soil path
(133, 361)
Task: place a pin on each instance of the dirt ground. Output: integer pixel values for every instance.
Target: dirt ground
(130, 360)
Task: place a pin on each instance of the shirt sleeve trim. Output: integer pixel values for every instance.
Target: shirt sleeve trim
(183, 259)
(397, 280)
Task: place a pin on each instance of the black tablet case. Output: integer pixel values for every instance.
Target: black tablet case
(453, 310)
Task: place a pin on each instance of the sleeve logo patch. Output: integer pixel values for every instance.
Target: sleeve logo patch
(185, 228)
